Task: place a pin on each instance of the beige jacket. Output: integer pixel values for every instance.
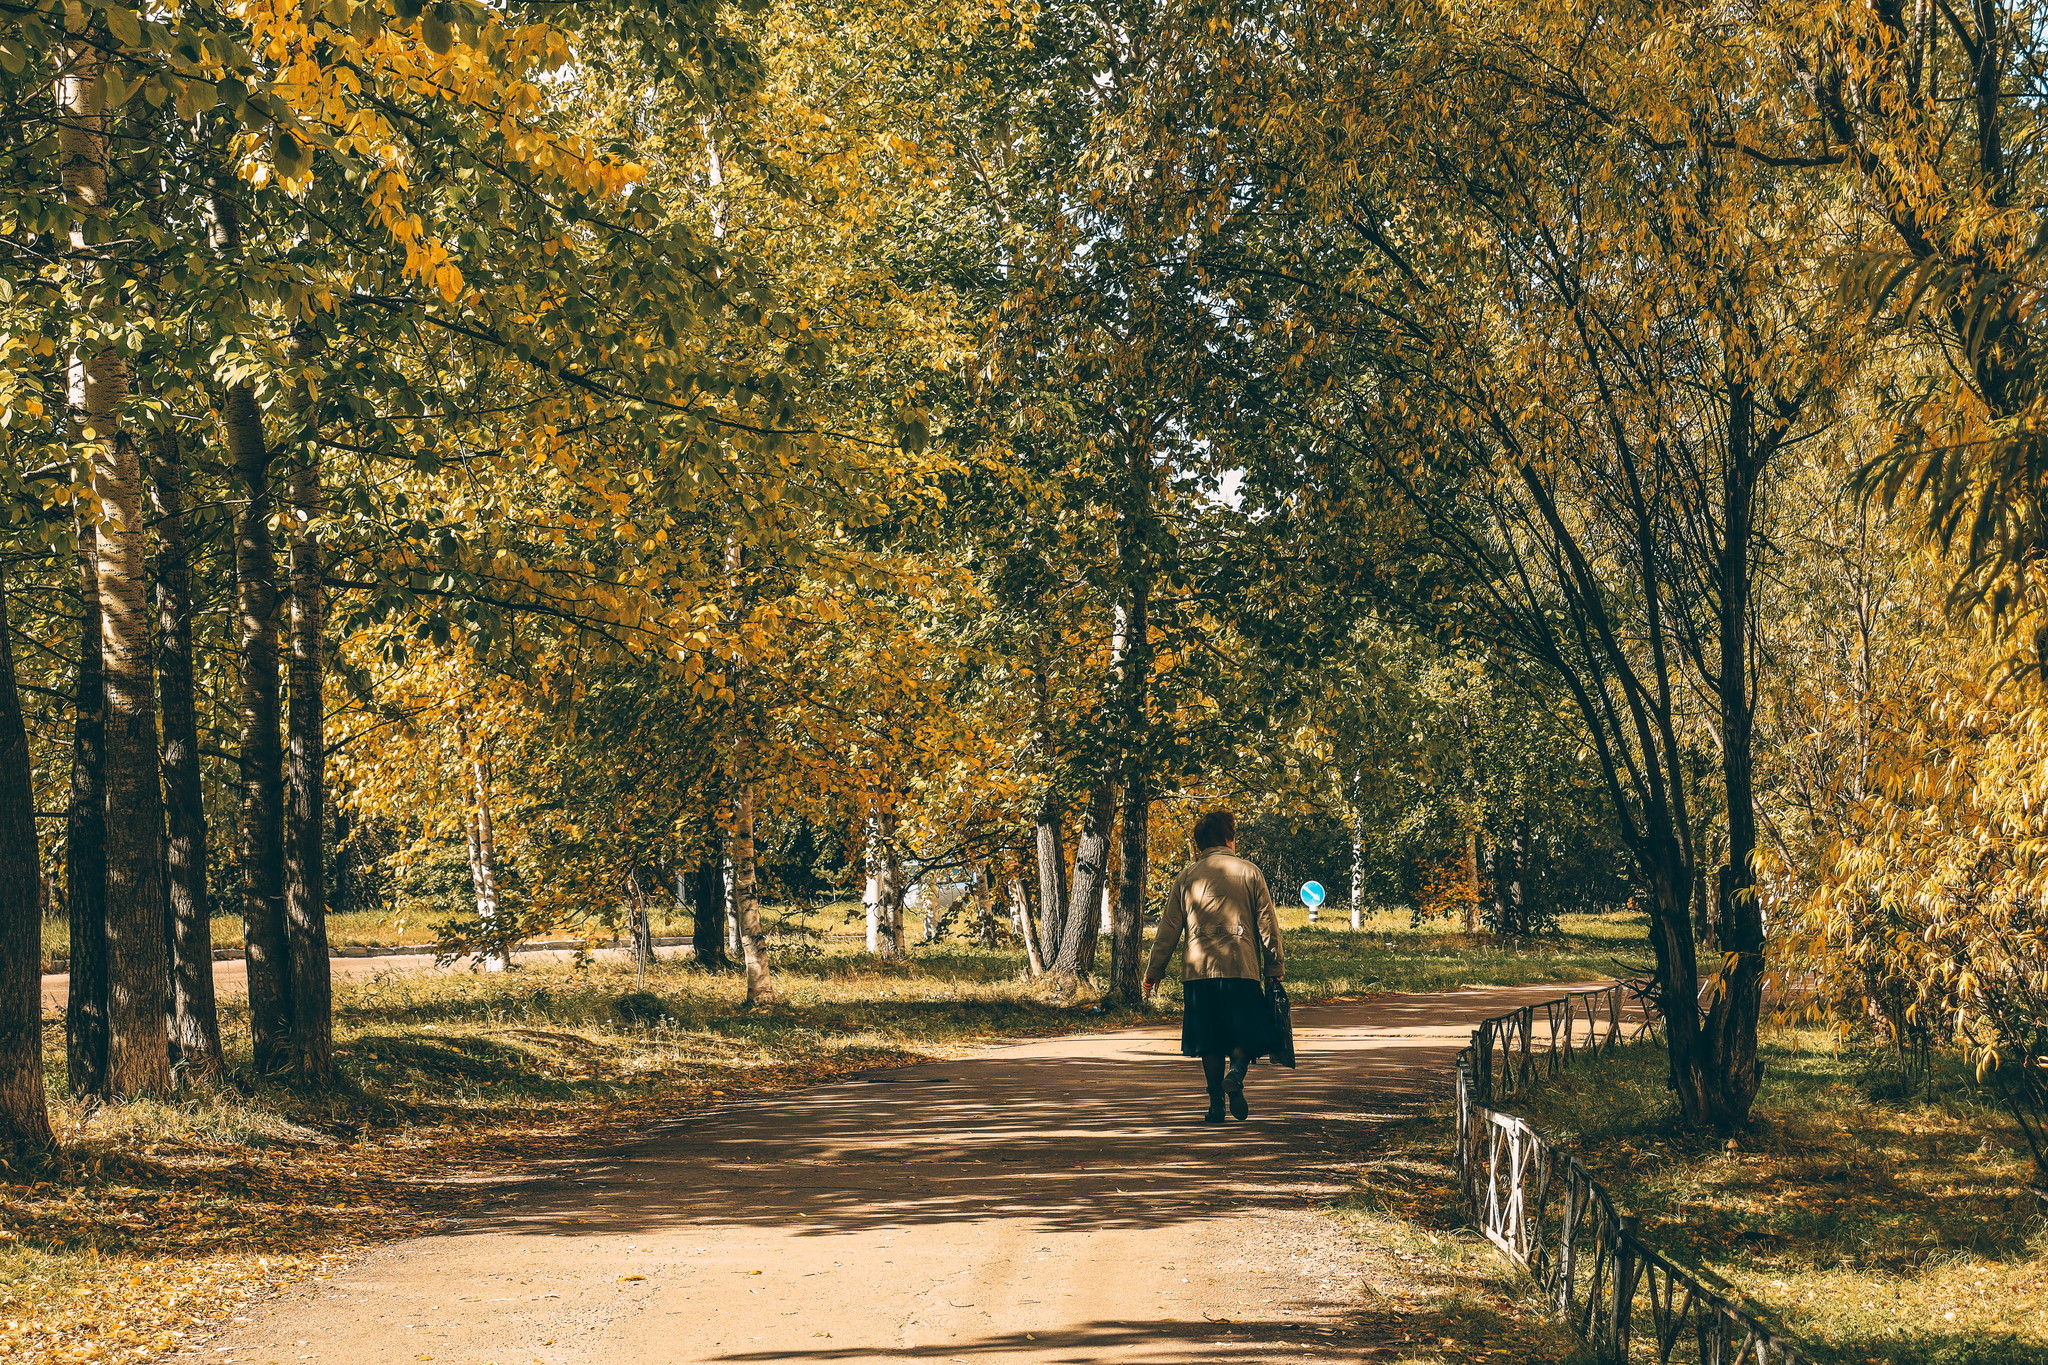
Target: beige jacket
(1221, 902)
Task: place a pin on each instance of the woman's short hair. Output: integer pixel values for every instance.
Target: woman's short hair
(1215, 828)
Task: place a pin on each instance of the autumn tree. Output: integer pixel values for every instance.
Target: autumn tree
(1586, 457)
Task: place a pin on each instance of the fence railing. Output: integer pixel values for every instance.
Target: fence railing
(1543, 1209)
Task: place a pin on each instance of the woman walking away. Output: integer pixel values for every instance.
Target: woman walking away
(1222, 903)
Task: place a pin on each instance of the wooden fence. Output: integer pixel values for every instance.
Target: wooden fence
(1540, 1206)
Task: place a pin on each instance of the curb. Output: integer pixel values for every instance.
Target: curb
(58, 966)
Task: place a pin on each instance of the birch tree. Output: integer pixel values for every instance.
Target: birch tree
(137, 1063)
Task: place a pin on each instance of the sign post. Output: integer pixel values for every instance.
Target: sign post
(1313, 896)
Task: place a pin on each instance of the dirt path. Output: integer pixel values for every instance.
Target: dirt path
(1052, 1202)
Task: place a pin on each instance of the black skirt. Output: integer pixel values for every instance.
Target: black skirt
(1222, 1014)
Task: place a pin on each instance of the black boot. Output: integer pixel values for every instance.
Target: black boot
(1233, 1086)
(1215, 1114)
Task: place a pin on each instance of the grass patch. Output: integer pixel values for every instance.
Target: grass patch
(353, 929)
(1880, 1221)
(1389, 955)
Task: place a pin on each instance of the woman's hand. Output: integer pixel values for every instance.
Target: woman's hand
(1150, 986)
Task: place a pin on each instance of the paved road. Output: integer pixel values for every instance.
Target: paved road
(1052, 1202)
(232, 977)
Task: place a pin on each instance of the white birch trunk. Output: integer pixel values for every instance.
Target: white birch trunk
(1472, 881)
(872, 897)
(1020, 911)
(732, 919)
(496, 958)
(138, 963)
(746, 889)
(889, 890)
(1357, 870)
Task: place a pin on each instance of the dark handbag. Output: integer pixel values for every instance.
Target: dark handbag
(1279, 1016)
(1280, 1026)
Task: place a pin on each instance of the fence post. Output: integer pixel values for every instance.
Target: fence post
(1482, 1044)
(1465, 1124)
(1568, 1227)
(1518, 1058)
(1626, 1272)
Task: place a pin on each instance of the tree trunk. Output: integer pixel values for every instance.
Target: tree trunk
(1051, 839)
(1357, 867)
(746, 890)
(1134, 682)
(1472, 881)
(1670, 885)
(1091, 866)
(707, 928)
(643, 924)
(1020, 910)
(24, 1110)
(1515, 895)
(85, 857)
(138, 1060)
(637, 928)
(341, 887)
(889, 889)
(1127, 939)
(262, 806)
(305, 852)
(138, 967)
(195, 1027)
(987, 926)
(1728, 1068)
(261, 833)
(1052, 870)
(1133, 662)
(733, 949)
(871, 894)
(481, 837)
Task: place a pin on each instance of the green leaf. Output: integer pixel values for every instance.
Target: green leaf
(125, 27)
(110, 87)
(288, 152)
(13, 57)
(439, 38)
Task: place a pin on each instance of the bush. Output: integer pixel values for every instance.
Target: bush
(641, 1007)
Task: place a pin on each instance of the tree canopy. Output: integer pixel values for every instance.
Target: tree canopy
(1560, 458)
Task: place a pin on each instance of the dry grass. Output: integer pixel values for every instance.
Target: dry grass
(1881, 1221)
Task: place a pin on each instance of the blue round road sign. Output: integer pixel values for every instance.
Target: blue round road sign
(1313, 895)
